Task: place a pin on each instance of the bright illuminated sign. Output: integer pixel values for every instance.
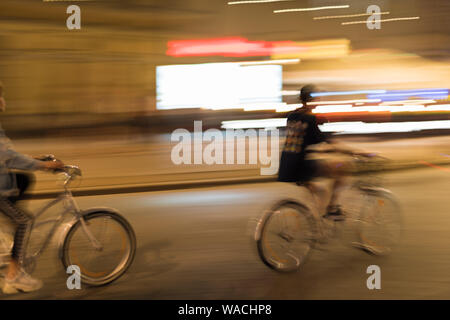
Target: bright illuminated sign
(217, 85)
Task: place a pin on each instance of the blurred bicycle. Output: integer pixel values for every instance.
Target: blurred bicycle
(100, 241)
(286, 233)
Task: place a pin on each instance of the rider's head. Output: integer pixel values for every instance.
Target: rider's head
(306, 96)
(2, 100)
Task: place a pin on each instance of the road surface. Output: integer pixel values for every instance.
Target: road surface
(196, 244)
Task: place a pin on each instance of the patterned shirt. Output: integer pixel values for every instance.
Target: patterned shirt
(295, 133)
(301, 132)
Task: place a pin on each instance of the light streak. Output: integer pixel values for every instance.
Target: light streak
(355, 127)
(348, 16)
(264, 62)
(311, 9)
(434, 166)
(247, 124)
(383, 127)
(344, 101)
(345, 93)
(381, 20)
(394, 95)
(255, 1)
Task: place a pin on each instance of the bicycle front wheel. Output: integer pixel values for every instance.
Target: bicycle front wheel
(380, 224)
(104, 264)
(286, 237)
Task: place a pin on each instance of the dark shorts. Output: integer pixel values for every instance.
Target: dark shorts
(308, 170)
(297, 169)
(24, 181)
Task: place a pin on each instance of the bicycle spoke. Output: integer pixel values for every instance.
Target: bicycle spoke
(381, 225)
(99, 263)
(286, 239)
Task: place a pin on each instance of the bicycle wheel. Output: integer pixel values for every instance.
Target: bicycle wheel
(287, 237)
(380, 223)
(100, 266)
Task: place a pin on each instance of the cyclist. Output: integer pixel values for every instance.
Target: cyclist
(12, 187)
(302, 133)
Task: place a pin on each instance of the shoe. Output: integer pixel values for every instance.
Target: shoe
(334, 213)
(22, 282)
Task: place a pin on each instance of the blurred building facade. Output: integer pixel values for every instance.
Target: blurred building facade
(108, 67)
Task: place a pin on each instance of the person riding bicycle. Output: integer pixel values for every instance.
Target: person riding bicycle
(302, 132)
(12, 187)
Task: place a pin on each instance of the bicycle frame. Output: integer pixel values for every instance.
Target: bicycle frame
(70, 208)
(64, 223)
(360, 183)
(363, 194)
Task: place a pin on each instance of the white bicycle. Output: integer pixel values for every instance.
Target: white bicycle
(288, 231)
(100, 241)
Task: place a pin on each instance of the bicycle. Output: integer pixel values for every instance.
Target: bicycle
(287, 233)
(100, 241)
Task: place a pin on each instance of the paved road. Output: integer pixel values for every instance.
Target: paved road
(141, 161)
(195, 244)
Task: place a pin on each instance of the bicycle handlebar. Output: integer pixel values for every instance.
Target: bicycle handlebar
(72, 170)
(69, 170)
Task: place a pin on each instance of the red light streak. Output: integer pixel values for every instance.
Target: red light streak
(434, 166)
(230, 47)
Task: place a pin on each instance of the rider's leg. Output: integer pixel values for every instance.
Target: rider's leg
(16, 278)
(338, 184)
(336, 170)
(23, 181)
(314, 190)
(313, 169)
(23, 222)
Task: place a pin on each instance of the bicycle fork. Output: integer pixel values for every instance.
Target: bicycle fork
(95, 243)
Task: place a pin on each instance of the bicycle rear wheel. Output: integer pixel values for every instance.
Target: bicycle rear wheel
(287, 237)
(380, 223)
(118, 246)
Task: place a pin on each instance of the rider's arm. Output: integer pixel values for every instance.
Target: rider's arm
(319, 137)
(339, 147)
(342, 148)
(16, 160)
(316, 133)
